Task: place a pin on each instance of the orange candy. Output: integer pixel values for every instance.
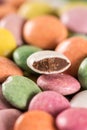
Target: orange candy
(44, 31)
(75, 49)
(6, 9)
(35, 120)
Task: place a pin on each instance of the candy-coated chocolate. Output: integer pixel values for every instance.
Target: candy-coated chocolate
(8, 68)
(14, 23)
(75, 48)
(72, 119)
(49, 101)
(35, 120)
(8, 118)
(61, 83)
(44, 32)
(7, 42)
(21, 54)
(79, 100)
(18, 91)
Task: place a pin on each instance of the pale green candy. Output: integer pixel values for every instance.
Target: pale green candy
(18, 91)
(21, 54)
(31, 10)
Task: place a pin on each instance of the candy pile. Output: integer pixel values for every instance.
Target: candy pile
(43, 66)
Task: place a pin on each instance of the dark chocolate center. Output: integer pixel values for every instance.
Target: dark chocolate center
(50, 64)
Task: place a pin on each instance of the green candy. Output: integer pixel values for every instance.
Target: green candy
(21, 54)
(18, 91)
(82, 73)
(31, 10)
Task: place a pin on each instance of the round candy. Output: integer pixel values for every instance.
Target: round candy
(14, 23)
(61, 83)
(31, 10)
(7, 42)
(18, 91)
(82, 73)
(21, 54)
(79, 100)
(8, 68)
(75, 19)
(8, 118)
(75, 48)
(35, 120)
(49, 101)
(44, 32)
(72, 119)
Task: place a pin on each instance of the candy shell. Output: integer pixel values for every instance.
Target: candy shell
(61, 83)
(79, 100)
(18, 91)
(8, 118)
(14, 23)
(7, 42)
(72, 119)
(49, 101)
(35, 120)
(44, 31)
(75, 49)
(8, 68)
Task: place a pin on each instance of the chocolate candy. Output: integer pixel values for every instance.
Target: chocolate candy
(14, 23)
(37, 120)
(18, 90)
(49, 101)
(79, 100)
(8, 118)
(72, 119)
(61, 83)
(44, 32)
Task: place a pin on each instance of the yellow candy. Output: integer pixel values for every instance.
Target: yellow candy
(7, 42)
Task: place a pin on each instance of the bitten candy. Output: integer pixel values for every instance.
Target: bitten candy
(18, 91)
(8, 118)
(8, 68)
(49, 101)
(72, 119)
(44, 31)
(14, 23)
(79, 100)
(35, 120)
(61, 83)
(7, 42)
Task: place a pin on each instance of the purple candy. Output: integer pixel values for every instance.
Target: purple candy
(76, 19)
(50, 102)
(14, 23)
(61, 83)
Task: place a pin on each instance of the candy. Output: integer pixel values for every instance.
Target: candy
(82, 73)
(8, 118)
(8, 68)
(72, 119)
(61, 83)
(75, 19)
(79, 100)
(75, 48)
(21, 54)
(31, 10)
(50, 102)
(44, 31)
(48, 62)
(35, 120)
(18, 90)
(7, 42)
(14, 23)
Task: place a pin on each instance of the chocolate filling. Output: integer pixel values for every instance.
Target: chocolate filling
(50, 64)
